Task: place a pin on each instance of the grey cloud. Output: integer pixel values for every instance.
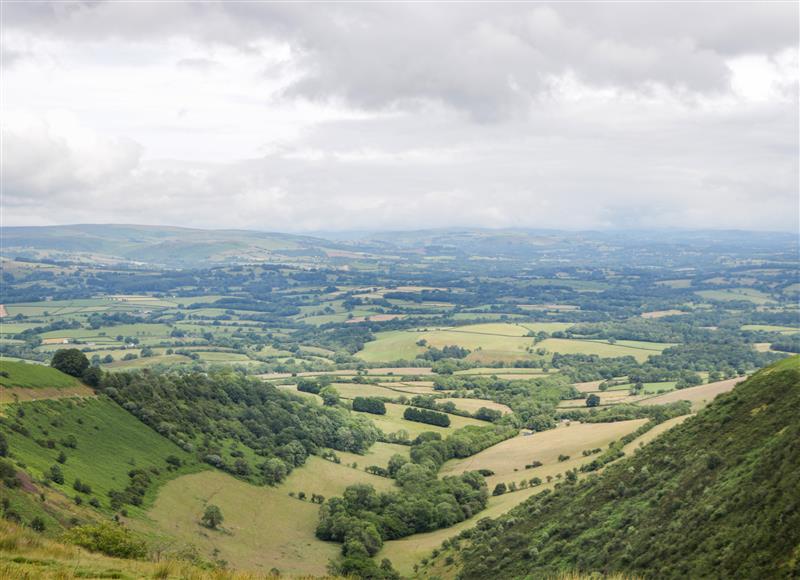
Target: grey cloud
(487, 59)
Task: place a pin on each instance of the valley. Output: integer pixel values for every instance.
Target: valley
(358, 417)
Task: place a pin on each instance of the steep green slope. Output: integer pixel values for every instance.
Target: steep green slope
(94, 441)
(718, 496)
(30, 375)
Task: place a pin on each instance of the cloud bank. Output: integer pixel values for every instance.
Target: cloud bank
(393, 116)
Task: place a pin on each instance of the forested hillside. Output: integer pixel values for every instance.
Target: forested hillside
(714, 497)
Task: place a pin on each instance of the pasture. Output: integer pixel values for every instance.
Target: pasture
(406, 552)
(264, 527)
(699, 396)
(33, 376)
(637, 349)
(731, 294)
(472, 405)
(393, 421)
(771, 328)
(509, 458)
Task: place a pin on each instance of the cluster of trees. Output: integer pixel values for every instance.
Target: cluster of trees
(534, 401)
(362, 518)
(448, 351)
(426, 416)
(369, 405)
(202, 412)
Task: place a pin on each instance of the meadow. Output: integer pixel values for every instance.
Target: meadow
(15, 374)
(699, 396)
(508, 459)
(264, 527)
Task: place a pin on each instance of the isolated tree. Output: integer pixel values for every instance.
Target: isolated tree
(592, 400)
(70, 361)
(212, 517)
(56, 474)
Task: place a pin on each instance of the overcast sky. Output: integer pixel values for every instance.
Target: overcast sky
(303, 117)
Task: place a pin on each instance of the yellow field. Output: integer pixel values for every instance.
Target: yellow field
(640, 351)
(472, 405)
(393, 421)
(352, 390)
(508, 459)
(379, 454)
(699, 396)
(263, 527)
(406, 552)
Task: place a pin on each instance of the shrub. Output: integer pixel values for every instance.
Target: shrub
(369, 405)
(107, 538)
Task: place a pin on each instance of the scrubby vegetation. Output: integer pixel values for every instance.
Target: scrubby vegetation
(715, 496)
(235, 423)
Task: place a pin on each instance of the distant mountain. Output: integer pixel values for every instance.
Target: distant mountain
(186, 247)
(715, 497)
(158, 245)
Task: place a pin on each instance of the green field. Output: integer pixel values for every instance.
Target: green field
(749, 294)
(637, 349)
(110, 442)
(33, 376)
(648, 388)
(393, 422)
(771, 328)
(264, 527)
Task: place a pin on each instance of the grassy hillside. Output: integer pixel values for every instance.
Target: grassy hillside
(101, 444)
(714, 497)
(33, 376)
(27, 555)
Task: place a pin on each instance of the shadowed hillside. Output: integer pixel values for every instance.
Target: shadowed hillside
(714, 497)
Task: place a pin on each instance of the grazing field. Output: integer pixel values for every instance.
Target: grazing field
(406, 552)
(494, 371)
(662, 313)
(489, 341)
(33, 376)
(264, 527)
(352, 390)
(731, 294)
(108, 443)
(393, 421)
(416, 388)
(637, 349)
(699, 396)
(391, 345)
(379, 454)
(647, 388)
(653, 433)
(508, 459)
(771, 328)
(146, 362)
(472, 405)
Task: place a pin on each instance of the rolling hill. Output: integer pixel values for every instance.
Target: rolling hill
(714, 497)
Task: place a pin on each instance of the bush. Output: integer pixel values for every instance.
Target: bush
(107, 538)
(212, 517)
(369, 405)
(426, 416)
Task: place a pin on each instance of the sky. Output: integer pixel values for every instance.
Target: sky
(303, 117)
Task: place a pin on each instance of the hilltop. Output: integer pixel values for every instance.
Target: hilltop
(713, 497)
